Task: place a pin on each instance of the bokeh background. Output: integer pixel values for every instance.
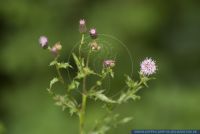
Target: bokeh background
(166, 30)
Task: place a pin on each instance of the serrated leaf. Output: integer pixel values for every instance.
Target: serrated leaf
(98, 95)
(53, 63)
(133, 97)
(130, 94)
(129, 82)
(60, 65)
(65, 102)
(64, 65)
(53, 81)
(106, 124)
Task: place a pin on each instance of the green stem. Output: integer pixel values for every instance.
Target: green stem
(82, 113)
(82, 42)
(84, 94)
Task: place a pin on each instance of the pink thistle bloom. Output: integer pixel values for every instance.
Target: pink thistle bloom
(93, 33)
(109, 63)
(148, 67)
(43, 41)
(82, 26)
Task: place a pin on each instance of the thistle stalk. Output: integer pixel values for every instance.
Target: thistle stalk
(84, 93)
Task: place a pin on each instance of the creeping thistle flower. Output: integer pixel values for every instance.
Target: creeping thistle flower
(94, 46)
(43, 41)
(148, 67)
(82, 26)
(56, 48)
(109, 63)
(93, 33)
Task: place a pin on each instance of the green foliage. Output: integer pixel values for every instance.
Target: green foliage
(52, 82)
(107, 71)
(98, 95)
(108, 122)
(60, 65)
(73, 85)
(66, 102)
(83, 71)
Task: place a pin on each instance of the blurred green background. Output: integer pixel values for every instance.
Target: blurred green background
(166, 30)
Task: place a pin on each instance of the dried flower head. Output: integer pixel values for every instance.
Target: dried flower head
(43, 41)
(56, 48)
(109, 63)
(94, 46)
(82, 26)
(148, 67)
(93, 33)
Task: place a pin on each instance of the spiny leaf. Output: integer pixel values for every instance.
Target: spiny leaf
(111, 120)
(130, 94)
(133, 97)
(53, 81)
(129, 82)
(64, 65)
(126, 120)
(98, 95)
(54, 62)
(65, 102)
(60, 65)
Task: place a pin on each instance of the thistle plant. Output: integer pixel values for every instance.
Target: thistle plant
(79, 85)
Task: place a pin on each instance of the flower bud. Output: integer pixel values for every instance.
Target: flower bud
(82, 26)
(56, 48)
(93, 33)
(43, 41)
(109, 63)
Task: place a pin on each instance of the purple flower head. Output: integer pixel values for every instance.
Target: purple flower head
(93, 33)
(43, 41)
(148, 67)
(109, 63)
(82, 26)
(56, 48)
